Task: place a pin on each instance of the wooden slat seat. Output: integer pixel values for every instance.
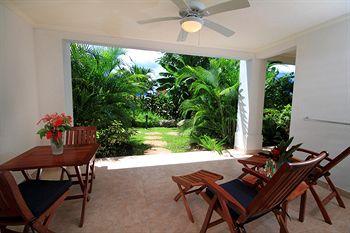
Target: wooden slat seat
(186, 183)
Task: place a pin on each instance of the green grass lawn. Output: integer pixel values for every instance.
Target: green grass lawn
(176, 140)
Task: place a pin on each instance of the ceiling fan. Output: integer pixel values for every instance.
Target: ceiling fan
(192, 15)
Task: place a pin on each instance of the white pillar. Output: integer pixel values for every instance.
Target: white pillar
(248, 136)
(67, 72)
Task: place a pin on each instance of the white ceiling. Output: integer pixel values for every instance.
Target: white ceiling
(265, 22)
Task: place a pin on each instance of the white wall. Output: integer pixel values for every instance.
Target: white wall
(18, 89)
(322, 91)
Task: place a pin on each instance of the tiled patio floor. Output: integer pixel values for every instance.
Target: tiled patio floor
(140, 199)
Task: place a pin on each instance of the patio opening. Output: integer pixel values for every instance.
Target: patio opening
(148, 102)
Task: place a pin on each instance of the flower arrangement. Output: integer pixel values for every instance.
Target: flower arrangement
(279, 155)
(54, 126)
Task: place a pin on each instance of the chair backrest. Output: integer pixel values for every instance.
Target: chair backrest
(283, 183)
(81, 135)
(12, 204)
(334, 162)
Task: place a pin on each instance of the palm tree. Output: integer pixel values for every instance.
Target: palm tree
(214, 97)
(103, 90)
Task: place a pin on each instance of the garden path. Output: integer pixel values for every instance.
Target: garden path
(158, 145)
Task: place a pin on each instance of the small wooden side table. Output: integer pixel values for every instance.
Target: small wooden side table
(186, 184)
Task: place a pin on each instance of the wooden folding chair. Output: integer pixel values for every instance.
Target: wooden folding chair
(239, 203)
(324, 171)
(82, 135)
(31, 203)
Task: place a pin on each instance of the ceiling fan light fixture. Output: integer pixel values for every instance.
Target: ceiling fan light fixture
(191, 24)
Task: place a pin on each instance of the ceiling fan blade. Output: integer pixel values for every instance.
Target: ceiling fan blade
(225, 6)
(181, 4)
(155, 20)
(182, 35)
(218, 28)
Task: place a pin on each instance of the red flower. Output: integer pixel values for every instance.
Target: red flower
(276, 151)
(58, 122)
(59, 134)
(49, 135)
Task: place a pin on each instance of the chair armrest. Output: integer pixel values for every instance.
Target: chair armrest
(256, 174)
(225, 195)
(67, 172)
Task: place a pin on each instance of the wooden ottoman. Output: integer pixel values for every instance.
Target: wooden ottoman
(193, 183)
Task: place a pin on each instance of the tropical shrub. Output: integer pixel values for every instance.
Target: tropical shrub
(104, 93)
(212, 107)
(178, 91)
(211, 144)
(113, 138)
(160, 103)
(276, 125)
(153, 119)
(278, 100)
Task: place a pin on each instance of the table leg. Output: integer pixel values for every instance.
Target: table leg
(85, 194)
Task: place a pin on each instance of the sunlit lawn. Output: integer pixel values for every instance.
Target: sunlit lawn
(176, 141)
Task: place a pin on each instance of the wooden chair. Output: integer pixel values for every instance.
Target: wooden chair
(82, 135)
(239, 203)
(324, 171)
(32, 203)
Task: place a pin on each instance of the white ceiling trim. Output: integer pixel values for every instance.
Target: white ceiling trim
(9, 5)
(149, 45)
(286, 44)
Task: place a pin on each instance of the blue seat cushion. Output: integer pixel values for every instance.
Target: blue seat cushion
(240, 191)
(41, 194)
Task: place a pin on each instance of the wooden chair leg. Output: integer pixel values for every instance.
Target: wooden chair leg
(302, 206)
(92, 168)
(227, 216)
(206, 222)
(281, 222)
(41, 228)
(178, 196)
(335, 191)
(320, 205)
(188, 210)
(26, 229)
(284, 215)
(62, 174)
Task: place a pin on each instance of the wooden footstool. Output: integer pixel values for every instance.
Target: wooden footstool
(187, 182)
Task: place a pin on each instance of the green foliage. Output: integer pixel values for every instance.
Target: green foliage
(104, 92)
(153, 119)
(113, 138)
(211, 144)
(178, 91)
(278, 91)
(278, 100)
(159, 103)
(212, 107)
(276, 125)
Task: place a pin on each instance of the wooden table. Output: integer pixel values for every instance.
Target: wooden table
(73, 156)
